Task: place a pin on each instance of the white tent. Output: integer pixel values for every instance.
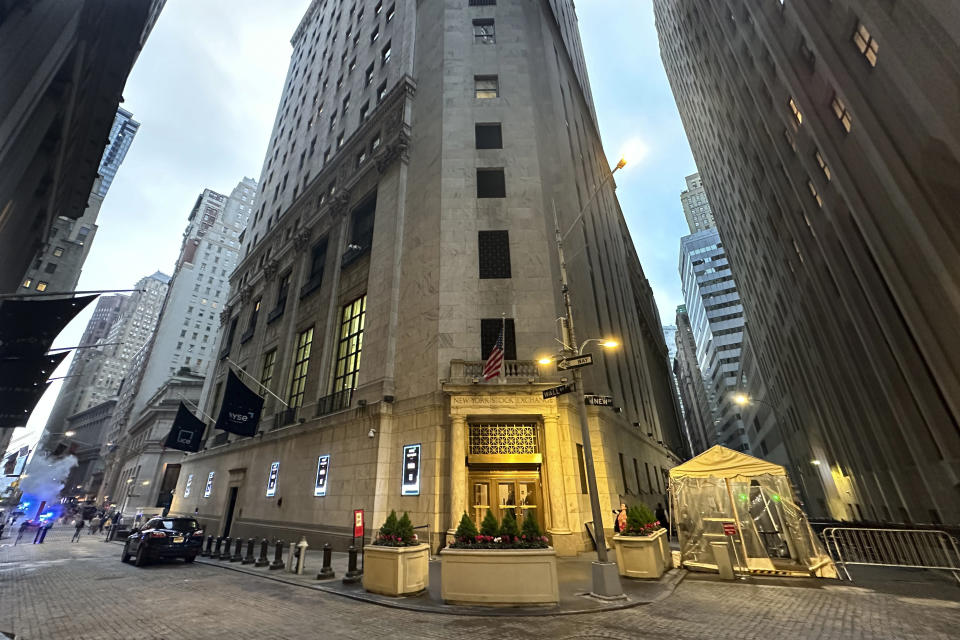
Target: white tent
(726, 496)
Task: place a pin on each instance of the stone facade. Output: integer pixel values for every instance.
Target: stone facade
(377, 248)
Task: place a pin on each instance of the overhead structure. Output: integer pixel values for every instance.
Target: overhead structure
(726, 501)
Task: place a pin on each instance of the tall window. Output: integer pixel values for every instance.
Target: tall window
(318, 258)
(491, 183)
(484, 31)
(266, 371)
(866, 44)
(301, 360)
(253, 315)
(494, 252)
(361, 233)
(489, 136)
(282, 289)
(350, 345)
(486, 87)
(490, 330)
(840, 110)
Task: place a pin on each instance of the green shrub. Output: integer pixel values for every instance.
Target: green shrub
(639, 521)
(405, 530)
(467, 531)
(509, 525)
(531, 529)
(389, 527)
(490, 526)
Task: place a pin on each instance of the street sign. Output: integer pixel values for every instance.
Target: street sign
(598, 401)
(358, 523)
(558, 391)
(729, 528)
(574, 363)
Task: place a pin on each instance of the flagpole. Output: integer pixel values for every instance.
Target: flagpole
(180, 395)
(503, 335)
(257, 382)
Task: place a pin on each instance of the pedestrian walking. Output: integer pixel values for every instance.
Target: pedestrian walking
(94, 524)
(620, 524)
(78, 529)
(661, 515)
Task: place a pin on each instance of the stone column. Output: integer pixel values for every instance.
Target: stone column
(558, 501)
(458, 470)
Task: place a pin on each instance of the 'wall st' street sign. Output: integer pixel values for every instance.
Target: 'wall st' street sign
(558, 391)
(598, 401)
(573, 363)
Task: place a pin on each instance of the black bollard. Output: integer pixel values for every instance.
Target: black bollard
(277, 556)
(237, 551)
(352, 575)
(225, 554)
(262, 560)
(248, 559)
(206, 552)
(216, 547)
(326, 571)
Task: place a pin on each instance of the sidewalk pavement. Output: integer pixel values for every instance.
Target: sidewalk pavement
(574, 577)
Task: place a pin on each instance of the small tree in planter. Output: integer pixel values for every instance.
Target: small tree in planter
(642, 551)
(489, 527)
(396, 563)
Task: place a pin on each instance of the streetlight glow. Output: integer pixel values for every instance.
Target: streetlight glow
(545, 360)
(741, 399)
(69, 434)
(609, 344)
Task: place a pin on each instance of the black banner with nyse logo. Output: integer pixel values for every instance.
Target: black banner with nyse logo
(241, 408)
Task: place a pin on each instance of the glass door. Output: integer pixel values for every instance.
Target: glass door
(500, 492)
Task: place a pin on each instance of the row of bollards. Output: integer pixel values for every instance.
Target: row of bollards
(219, 548)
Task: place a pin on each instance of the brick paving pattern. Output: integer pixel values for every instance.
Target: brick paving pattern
(78, 591)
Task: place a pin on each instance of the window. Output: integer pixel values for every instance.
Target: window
(796, 111)
(494, 252)
(840, 110)
(363, 111)
(58, 252)
(484, 31)
(50, 267)
(27, 283)
(266, 371)
(41, 286)
(301, 361)
(489, 136)
(623, 476)
(377, 9)
(346, 104)
(375, 35)
(636, 473)
(391, 12)
(813, 192)
(385, 54)
(282, 289)
(580, 460)
(361, 232)
(490, 331)
(350, 345)
(485, 3)
(368, 76)
(486, 87)
(491, 183)
(823, 165)
(866, 44)
(318, 259)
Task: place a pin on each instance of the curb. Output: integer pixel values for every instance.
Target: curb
(674, 578)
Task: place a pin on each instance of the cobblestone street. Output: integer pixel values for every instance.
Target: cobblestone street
(59, 590)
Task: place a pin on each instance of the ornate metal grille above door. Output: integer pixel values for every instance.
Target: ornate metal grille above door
(504, 439)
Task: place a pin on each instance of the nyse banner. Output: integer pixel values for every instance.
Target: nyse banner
(186, 489)
(411, 470)
(272, 479)
(323, 465)
(209, 488)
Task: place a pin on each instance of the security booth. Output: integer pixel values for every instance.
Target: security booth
(736, 512)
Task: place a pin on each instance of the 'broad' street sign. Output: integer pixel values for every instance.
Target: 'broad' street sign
(573, 363)
(558, 391)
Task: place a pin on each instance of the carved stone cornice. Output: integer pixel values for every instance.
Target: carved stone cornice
(301, 240)
(396, 150)
(225, 315)
(246, 293)
(339, 204)
(271, 269)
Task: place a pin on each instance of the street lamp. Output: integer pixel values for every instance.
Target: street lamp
(606, 578)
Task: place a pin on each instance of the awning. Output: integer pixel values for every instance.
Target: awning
(720, 462)
(28, 326)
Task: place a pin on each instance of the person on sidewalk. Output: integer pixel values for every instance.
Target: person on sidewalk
(621, 523)
(94, 524)
(78, 529)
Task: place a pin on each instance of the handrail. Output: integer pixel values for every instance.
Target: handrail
(906, 548)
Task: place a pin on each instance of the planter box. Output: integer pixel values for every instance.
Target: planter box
(396, 571)
(641, 556)
(491, 577)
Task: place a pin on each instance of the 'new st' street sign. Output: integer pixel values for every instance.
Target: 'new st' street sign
(598, 401)
(558, 391)
(573, 363)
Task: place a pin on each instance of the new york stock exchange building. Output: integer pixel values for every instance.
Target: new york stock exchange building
(413, 237)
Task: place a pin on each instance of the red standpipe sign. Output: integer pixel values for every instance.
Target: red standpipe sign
(358, 523)
(729, 528)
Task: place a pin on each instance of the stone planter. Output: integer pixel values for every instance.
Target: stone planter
(492, 577)
(396, 571)
(641, 556)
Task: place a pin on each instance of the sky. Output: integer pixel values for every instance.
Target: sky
(205, 90)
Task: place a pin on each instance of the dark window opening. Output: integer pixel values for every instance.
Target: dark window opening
(489, 136)
(361, 230)
(494, 252)
(491, 183)
(318, 258)
(490, 331)
(282, 290)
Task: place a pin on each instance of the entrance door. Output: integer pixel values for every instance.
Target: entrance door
(231, 503)
(502, 491)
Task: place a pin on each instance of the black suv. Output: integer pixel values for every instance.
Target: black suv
(164, 538)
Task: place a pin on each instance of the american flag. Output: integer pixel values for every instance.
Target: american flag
(494, 364)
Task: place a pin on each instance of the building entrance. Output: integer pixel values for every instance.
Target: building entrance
(506, 490)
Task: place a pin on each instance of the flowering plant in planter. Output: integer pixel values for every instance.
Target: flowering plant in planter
(504, 535)
(640, 522)
(397, 532)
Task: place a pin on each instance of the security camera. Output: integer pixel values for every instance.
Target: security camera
(372, 433)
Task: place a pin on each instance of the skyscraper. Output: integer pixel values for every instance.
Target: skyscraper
(716, 319)
(828, 134)
(405, 214)
(696, 207)
(693, 392)
(58, 263)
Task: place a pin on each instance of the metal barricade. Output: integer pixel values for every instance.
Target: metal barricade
(908, 548)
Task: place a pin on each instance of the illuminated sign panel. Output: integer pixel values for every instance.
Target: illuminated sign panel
(323, 466)
(272, 479)
(411, 470)
(209, 488)
(186, 489)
